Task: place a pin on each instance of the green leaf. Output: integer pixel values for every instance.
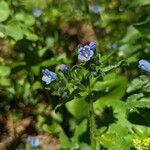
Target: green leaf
(77, 107)
(118, 85)
(5, 81)
(4, 71)
(135, 97)
(142, 103)
(30, 36)
(80, 129)
(113, 142)
(64, 141)
(143, 28)
(136, 3)
(37, 85)
(111, 67)
(141, 131)
(132, 35)
(104, 58)
(84, 146)
(28, 20)
(136, 84)
(112, 99)
(4, 11)
(128, 49)
(14, 30)
(146, 88)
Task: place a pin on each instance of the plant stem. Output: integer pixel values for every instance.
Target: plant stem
(92, 122)
(92, 126)
(91, 116)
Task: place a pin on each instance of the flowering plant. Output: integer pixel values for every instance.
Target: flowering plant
(81, 81)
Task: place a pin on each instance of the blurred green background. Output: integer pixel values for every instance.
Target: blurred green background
(36, 34)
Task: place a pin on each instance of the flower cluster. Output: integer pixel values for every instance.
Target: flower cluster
(144, 65)
(86, 52)
(140, 144)
(34, 142)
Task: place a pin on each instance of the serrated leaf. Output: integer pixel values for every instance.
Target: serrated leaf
(109, 68)
(146, 88)
(136, 84)
(142, 103)
(135, 97)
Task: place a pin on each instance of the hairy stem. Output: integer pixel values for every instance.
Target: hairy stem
(92, 122)
(92, 126)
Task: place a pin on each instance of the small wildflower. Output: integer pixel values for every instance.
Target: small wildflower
(92, 46)
(63, 68)
(48, 76)
(95, 8)
(37, 12)
(85, 53)
(144, 65)
(33, 141)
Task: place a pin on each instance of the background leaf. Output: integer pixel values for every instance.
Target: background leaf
(4, 11)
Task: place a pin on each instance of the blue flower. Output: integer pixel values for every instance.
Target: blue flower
(37, 12)
(48, 76)
(63, 68)
(85, 53)
(95, 8)
(92, 46)
(33, 141)
(144, 65)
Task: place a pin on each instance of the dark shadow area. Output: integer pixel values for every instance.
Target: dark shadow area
(85, 137)
(106, 118)
(141, 117)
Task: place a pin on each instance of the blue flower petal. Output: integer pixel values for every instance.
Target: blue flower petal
(33, 141)
(46, 79)
(63, 68)
(48, 76)
(95, 8)
(85, 53)
(92, 46)
(144, 65)
(37, 12)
